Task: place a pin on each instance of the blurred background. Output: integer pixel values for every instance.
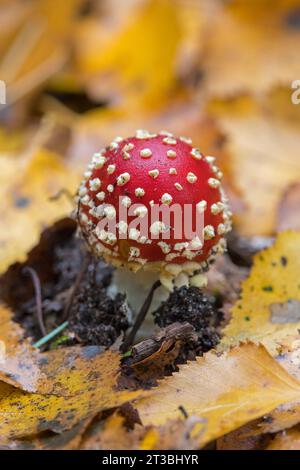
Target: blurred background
(77, 73)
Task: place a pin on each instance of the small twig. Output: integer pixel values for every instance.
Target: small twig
(62, 192)
(141, 316)
(182, 409)
(50, 335)
(38, 297)
(75, 287)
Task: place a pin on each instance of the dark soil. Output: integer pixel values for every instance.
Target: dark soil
(58, 259)
(95, 317)
(189, 304)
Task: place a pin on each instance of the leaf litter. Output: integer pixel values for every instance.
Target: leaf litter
(68, 97)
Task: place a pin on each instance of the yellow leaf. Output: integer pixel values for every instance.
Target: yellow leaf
(27, 184)
(39, 47)
(226, 391)
(267, 310)
(253, 48)
(263, 141)
(18, 359)
(83, 380)
(140, 59)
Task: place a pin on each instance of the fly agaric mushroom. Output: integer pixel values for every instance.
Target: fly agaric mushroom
(138, 173)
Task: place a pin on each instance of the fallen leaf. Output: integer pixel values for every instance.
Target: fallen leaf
(263, 161)
(96, 128)
(112, 434)
(239, 440)
(25, 207)
(39, 49)
(273, 280)
(226, 391)
(286, 440)
(18, 359)
(83, 381)
(68, 440)
(254, 48)
(287, 415)
(133, 58)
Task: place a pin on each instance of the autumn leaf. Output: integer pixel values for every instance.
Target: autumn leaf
(254, 48)
(263, 167)
(68, 440)
(133, 58)
(286, 440)
(226, 391)
(39, 48)
(83, 381)
(267, 310)
(18, 359)
(25, 207)
(112, 434)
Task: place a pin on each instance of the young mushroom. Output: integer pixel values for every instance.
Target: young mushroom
(136, 196)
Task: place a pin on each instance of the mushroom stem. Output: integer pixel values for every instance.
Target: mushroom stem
(140, 317)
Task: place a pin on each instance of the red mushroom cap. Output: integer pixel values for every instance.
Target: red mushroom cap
(139, 172)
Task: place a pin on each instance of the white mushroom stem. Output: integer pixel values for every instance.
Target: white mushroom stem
(136, 286)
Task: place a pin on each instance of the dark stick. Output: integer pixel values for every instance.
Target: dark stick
(63, 192)
(141, 316)
(75, 287)
(38, 297)
(183, 411)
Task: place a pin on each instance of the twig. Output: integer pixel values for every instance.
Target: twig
(141, 316)
(182, 409)
(75, 287)
(63, 192)
(38, 297)
(50, 335)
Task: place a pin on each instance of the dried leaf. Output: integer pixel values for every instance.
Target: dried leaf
(39, 48)
(286, 440)
(27, 184)
(68, 440)
(254, 48)
(18, 359)
(133, 58)
(262, 144)
(83, 382)
(273, 280)
(226, 391)
(111, 434)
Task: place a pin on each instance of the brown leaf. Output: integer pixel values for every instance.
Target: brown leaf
(288, 210)
(253, 49)
(83, 383)
(286, 440)
(39, 47)
(226, 391)
(18, 359)
(262, 144)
